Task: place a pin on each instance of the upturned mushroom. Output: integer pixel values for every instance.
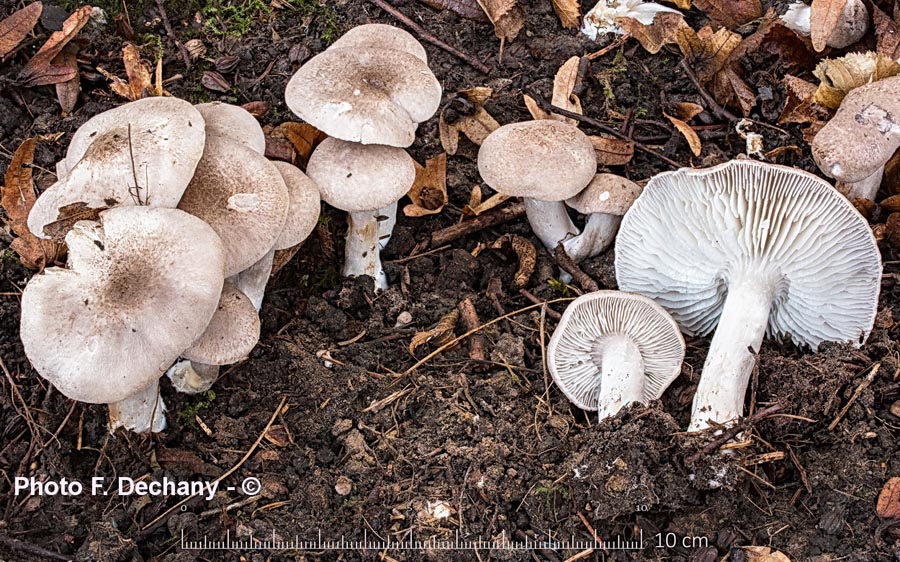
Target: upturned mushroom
(366, 181)
(756, 249)
(545, 162)
(141, 286)
(611, 349)
(604, 201)
(857, 142)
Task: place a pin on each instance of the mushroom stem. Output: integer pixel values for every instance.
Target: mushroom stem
(621, 374)
(599, 232)
(142, 412)
(732, 353)
(190, 377)
(386, 224)
(550, 221)
(361, 255)
(253, 280)
(866, 188)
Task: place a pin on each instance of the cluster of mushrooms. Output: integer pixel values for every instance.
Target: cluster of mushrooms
(171, 274)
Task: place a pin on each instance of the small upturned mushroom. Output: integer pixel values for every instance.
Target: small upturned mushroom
(851, 26)
(613, 348)
(604, 200)
(366, 181)
(370, 96)
(232, 332)
(545, 162)
(381, 36)
(857, 142)
(140, 153)
(754, 248)
(233, 122)
(142, 285)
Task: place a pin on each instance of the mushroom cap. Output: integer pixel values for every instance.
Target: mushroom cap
(141, 285)
(381, 36)
(360, 177)
(373, 96)
(545, 159)
(303, 206)
(863, 134)
(573, 354)
(607, 193)
(166, 136)
(231, 334)
(242, 196)
(691, 231)
(233, 122)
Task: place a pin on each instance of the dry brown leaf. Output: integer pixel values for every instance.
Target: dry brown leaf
(888, 506)
(887, 34)
(506, 16)
(476, 206)
(706, 51)
(728, 87)
(212, 80)
(685, 110)
(256, 108)
(534, 109)
(612, 151)
(799, 106)
(138, 73)
(40, 71)
(824, 17)
(477, 124)
(763, 554)
(304, 137)
(466, 8)
(17, 26)
(663, 30)
(730, 13)
(891, 204)
(839, 76)
(569, 12)
(66, 218)
(17, 197)
(429, 190)
(440, 334)
(526, 254)
(278, 436)
(180, 459)
(563, 85)
(67, 92)
(688, 132)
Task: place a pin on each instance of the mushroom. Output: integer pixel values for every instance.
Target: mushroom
(857, 142)
(242, 196)
(140, 153)
(755, 248)
(189, 377)
(602, 17)
(234, 123)
(371, 96)
(545, 162)
(366, 181)
(613, 348)
(604, 200)
(232, 332)
(850, 27)
(141, 285)
(381, 36)
(144, 412)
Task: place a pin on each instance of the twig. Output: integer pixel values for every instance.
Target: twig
(486, 220)
(564, 261)
(859, 389)
(469, 317)
(185, 56)
(550, 312)
(731, 432)
(547, 106)
(465, 57)
(22, 546)
(230, 507)
(713, 104)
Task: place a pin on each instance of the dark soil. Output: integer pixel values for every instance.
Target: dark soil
(494, 443)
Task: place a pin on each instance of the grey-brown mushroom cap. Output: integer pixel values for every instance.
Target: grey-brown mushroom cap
(376, 96)
(360, 177)
(140, 153)
(233, 122)
(545, 159)
(231, 334)
(691, 231)
(303, 207)
(863, 134)
(381, 36)
(607, 193)
(141, 285)
(242, 196)
(572, 354)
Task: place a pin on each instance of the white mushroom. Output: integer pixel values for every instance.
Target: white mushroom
(381, 36)
(755, 248)
(613, 348)
(192, 378)
(143, 412)
(602, 17)
(232, 332)
(233, 122)
(604, 200)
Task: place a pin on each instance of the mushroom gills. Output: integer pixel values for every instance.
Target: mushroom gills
(621, 374)
(142, 412)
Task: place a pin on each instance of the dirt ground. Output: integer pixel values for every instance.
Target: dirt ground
(493, 442)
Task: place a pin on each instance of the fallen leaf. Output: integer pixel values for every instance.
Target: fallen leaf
(706, 51)
(17, 197)
(526, 254)
(534, 109)
(688, 132)
(569, 12)
(612, 151)
(887, 34)
(40, 71)
(763, 554)
(466, 8)
(256, 108)
(824, 17)
(730, 13)
(278, 436)
(563, 85)
(888, 506)
(468, 118)
(180, 459)
(663, 30)
(440, 334)
(892, 175)
(685, 110)
(839, 76)
(729, 87)
(67, 92)
(476, 206)
(212, 80)
(429, 190)
(506, 16)
(304, 138)
(17, 26)
(66, 218)
(799, 106)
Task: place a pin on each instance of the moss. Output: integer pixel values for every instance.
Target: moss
(233, 18)
(188, 415)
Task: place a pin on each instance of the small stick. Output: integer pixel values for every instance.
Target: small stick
(22, 546)
(564, 261)
(713, 104)
(185, 56)
(471, 323)
(485, 220)
(859, 389)
(731, 432)
(547, 106)
(550, 312)
(494, 292)
(465, 57)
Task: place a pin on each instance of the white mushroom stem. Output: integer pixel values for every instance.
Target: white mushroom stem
(192, 378)
(732, 353)
(866, 188)
(361, 254)
(550, 221)
(141, 413)
(599, 232)
(621, 374)
(253, 280)
(386, 224)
